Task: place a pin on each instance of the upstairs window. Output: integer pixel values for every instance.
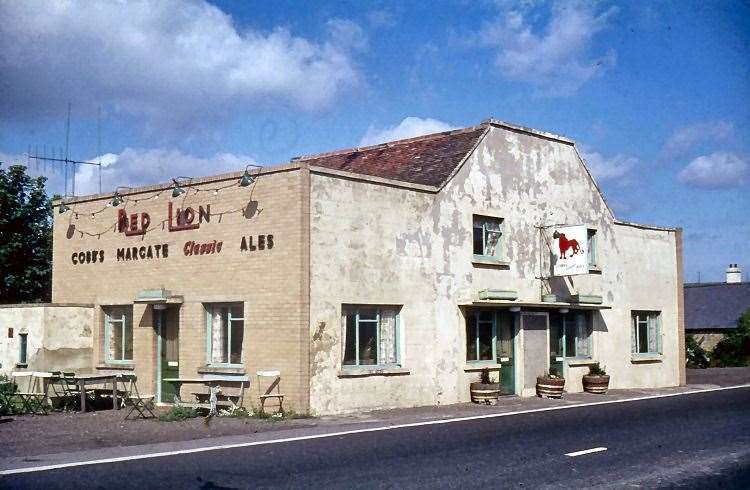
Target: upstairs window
(591, 247)
(118, 334)
(645, 337)
(226, 328)
(488, 237)
(370, 336)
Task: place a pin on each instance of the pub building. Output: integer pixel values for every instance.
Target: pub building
(377, 277)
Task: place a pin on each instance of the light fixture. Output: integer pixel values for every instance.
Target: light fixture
(177, 190)
(116, 199)
(246, 179)
(514, 309)
(63, 208)
(216, 192)
(563, 310)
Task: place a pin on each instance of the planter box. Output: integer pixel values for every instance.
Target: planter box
(587, 298)
(549, 298)
(549, 387)
(596, 384)
(498, 294)
(485, 392)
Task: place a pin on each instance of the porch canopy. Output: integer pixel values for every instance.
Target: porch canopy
(535, 304)
(157, 296)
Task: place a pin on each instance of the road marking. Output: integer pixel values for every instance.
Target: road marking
(32, 469)
(586, 451)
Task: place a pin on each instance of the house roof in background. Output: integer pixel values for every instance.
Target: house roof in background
(426, 160)
(715, 305)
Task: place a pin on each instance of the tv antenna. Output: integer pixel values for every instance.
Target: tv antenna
(68, 163)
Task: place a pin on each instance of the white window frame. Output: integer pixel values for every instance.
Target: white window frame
(355, 310)
(642, 317)
(209, 307)
(477, 321)
(110, 322)
(500, 229)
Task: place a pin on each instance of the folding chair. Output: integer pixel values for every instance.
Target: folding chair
(31, 399)
(276, 375)
(138, 403)
(65, 388)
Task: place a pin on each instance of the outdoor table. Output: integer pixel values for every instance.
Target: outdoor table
(212, 381)
(100, 378)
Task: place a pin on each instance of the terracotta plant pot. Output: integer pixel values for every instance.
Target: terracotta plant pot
(547, 387)
(487, 393)
(596, 383)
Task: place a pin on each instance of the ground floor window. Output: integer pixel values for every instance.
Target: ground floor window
(23, 348)
(225, 331)
(570, 334)
(645, 337)
(118, 334)
(481, 336)
(370, 335)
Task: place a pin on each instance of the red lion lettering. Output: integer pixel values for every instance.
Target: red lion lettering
(566, 244)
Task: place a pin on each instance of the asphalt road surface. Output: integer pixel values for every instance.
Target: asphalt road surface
(693, 441)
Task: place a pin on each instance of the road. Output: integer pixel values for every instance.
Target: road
(692, 441)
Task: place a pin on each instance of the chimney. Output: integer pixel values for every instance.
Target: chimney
(734, 274)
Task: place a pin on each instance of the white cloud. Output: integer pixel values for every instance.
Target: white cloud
(683, 140)
(554, 58)
(179, 64)
(714, 171)
(616, 169)
(408, 128)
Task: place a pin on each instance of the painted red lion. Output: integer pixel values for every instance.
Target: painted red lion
(566, 244)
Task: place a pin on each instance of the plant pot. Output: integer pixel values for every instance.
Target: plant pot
(596, 384)
(487, 393)
(547, 387)
(549, 298)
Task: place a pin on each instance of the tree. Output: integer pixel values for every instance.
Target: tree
(734, 349)
(25, 237)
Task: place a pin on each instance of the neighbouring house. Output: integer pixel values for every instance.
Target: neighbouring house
(712, 308)
(378, 277)
(43, 336)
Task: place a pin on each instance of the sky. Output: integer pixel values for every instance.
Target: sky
(656, 94)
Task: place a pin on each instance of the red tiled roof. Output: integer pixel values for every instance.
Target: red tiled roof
(427, 160)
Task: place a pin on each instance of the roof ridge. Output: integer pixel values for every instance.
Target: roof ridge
(389, 144)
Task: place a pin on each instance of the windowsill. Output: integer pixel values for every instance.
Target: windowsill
(595, 269)
(472, 367)
(575, 361)
(646, 358)
(361, 372)
(115, 366)
(222, 370)
(487, 261)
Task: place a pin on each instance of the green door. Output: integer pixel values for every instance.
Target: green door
(505, 351)
(169, 366)
(556, 353)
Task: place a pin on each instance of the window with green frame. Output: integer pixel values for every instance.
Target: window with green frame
(225, 327)
(118, 334)
(591, 248)
(370, 335)
(572, 333)
(481, 336)
(645, 337)
(488, 237)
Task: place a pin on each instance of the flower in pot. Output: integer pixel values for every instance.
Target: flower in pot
(597, 381)
(485, 390)
(550, 384)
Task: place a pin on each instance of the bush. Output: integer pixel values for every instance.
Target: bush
(697, 356)
(734, 349)
(596, 370)
(178, 413)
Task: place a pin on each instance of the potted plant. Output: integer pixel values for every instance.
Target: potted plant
(597, 381)
(485, 391)
(550, 384)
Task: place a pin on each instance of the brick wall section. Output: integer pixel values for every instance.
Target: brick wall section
(271, 283)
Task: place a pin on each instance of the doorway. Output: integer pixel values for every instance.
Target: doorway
(536, 350)
(167, 351)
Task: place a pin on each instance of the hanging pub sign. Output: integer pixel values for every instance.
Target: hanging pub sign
(570, 256)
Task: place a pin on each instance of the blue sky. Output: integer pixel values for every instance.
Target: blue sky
(656, 94)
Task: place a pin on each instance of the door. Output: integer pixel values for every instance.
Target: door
(505, 351)
(556, 343)
(536, 350)
(168, 348)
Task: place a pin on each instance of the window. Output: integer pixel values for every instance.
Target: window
(488, 233)
(22, 348)
(646, 332)
(570, 334)
(118, 334)
(226, 327)
(370, 336)
(591, 243)
(481, 336)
